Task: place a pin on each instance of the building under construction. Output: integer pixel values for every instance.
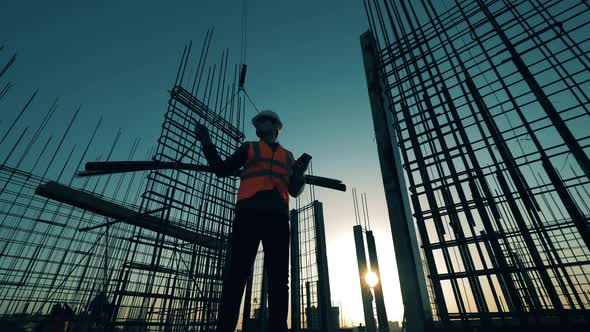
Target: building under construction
(141, 250)
(481, 116)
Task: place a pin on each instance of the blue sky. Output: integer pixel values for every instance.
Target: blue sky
(118, 59)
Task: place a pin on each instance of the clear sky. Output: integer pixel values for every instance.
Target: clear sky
(118, 59)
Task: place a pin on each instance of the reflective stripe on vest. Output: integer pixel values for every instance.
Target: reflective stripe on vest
(281, 177)
(265, 170)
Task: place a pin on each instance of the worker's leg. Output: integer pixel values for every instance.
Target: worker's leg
(275, 241)
(240, 257)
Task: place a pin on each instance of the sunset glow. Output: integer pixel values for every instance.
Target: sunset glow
(371, 279)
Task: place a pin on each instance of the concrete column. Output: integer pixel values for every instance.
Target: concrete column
(379, 302)
(324, 296)
(366, 294)
(409, 264)
(295, 274)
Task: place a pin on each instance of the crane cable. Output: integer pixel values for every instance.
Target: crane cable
(243, 53)
(244, 27)
(243, 65)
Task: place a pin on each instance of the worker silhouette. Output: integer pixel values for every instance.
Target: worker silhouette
(269, 175)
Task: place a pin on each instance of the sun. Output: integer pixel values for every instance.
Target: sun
(371, 279)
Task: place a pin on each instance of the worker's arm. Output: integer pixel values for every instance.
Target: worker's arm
(227, 167)
(297, 179)
(221, 168)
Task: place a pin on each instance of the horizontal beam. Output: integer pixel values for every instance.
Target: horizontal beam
(98, 205)
(113, 167)
(172, 271)
(165, 296)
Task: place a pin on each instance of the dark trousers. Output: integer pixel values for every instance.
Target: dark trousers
(249, 229)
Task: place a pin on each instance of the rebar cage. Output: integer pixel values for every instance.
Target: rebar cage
(47, 256)
(164, 281)
(311, 304)
(489, 105)
(113, 273)
(308, 276)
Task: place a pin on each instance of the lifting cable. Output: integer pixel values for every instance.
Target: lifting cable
(244, 26)
(243, 66)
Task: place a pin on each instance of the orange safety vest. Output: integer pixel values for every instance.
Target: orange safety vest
(265, 170)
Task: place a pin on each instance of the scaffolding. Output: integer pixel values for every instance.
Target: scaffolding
(481, 113)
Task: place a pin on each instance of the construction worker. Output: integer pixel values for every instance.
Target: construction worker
(270, 174)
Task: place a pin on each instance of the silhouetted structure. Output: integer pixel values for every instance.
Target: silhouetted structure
(363, 267)
(165, 281)
(310, 286)
(140, 250)
(369, 293)
(480, 110)
(145, 278)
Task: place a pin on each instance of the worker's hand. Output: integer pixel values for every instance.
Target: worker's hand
(202, 133)
(299, 167)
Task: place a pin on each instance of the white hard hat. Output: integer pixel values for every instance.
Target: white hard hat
(267, 114)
